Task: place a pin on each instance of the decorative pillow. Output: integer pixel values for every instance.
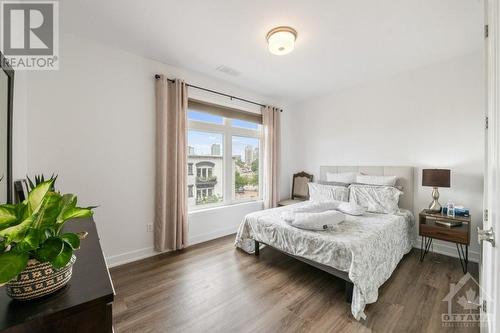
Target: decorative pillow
(376, 199)
(351, 208)
(320, 192)
(376, 180)
(342, 177)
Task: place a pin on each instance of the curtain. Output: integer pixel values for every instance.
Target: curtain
(271, 124)
(170, 224)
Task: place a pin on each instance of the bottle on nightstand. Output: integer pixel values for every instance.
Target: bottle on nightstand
(450, 209)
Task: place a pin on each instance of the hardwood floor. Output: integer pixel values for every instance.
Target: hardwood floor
(213, 287)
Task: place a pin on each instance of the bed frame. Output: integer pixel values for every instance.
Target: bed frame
(405, 176)
(330, 270)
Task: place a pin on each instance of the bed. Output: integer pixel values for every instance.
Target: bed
(363, 250)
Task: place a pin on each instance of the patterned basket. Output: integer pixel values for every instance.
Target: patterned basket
(39, 279)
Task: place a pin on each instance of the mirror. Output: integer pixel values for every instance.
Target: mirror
(6, 95)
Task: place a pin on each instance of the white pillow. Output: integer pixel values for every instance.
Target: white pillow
(320, 192)
(342, 177)
(376, 198)
(351, 208)
(376, 180)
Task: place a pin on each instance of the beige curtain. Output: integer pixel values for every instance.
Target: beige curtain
(170, 228)
(271, 166)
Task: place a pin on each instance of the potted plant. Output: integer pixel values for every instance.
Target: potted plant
(36, 257)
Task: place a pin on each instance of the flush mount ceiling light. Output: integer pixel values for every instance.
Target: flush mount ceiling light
(281, 40)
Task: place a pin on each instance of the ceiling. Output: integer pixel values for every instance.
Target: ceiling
(340, 43)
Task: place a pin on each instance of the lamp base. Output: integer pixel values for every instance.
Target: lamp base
(435, 206)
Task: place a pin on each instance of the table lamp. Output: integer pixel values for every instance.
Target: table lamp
(435, 178)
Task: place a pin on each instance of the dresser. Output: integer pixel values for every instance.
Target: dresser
(83, 305)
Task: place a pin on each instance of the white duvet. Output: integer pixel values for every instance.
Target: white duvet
(368, 247)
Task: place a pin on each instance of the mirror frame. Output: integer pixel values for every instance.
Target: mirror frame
(10, 103)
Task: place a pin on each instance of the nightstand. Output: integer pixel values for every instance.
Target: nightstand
(429, 229)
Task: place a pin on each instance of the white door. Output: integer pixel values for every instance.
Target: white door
(489, 266)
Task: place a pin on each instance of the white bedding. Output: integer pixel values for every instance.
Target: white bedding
(368, 247)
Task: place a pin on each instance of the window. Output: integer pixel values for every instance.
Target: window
(204, 154)
(246, 153)
(223, 156)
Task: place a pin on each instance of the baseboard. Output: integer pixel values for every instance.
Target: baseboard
(448, 250)
(212, 235)
(125, 258)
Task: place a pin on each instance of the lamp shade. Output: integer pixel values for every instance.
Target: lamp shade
(436, 177)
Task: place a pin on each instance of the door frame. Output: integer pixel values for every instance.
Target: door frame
(490, 258)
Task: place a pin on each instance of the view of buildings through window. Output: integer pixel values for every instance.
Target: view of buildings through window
(246, 167)
(223, 160)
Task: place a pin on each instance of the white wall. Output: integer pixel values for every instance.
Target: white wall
(92, 123)
(19, 133)
(428, 118)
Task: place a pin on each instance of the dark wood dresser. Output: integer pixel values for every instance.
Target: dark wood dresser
(83, 305)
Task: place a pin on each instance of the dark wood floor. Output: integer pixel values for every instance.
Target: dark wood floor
(213, 287)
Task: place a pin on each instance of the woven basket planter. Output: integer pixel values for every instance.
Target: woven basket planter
(39, 279)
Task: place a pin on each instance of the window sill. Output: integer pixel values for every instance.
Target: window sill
(231, 205)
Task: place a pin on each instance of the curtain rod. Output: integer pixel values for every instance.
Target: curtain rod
(157, 76)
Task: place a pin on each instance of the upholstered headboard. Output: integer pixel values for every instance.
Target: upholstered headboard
(404, 176)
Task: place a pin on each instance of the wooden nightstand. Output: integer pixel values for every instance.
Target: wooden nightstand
(428, 229)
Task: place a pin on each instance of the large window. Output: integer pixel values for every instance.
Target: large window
(224, 150)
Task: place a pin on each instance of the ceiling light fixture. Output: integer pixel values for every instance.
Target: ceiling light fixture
(281, 40)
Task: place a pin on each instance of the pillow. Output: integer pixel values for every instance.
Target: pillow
(376, 199)
(342, 177)
(351, 208)
(315, 206)
(324, 182)
(376, 180)
(320, 192)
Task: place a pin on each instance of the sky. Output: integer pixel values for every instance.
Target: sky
(202, 141)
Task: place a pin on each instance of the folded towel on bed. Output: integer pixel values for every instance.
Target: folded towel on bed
(314, 221)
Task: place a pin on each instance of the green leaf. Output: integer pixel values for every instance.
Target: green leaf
(11, 264)
(50, 249)
(32, 186)
(63, 258)
(35, 197)
(31, 241)
(17, 232)
(68, 202)
(72, 240)
(77, 212)
(49, 211)
(8, 216)
(70, 211)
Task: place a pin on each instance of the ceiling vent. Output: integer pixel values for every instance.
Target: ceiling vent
(228, 70)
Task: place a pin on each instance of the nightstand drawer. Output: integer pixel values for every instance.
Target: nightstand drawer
(454, 234)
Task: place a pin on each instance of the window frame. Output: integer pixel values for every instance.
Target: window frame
(228, 131)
